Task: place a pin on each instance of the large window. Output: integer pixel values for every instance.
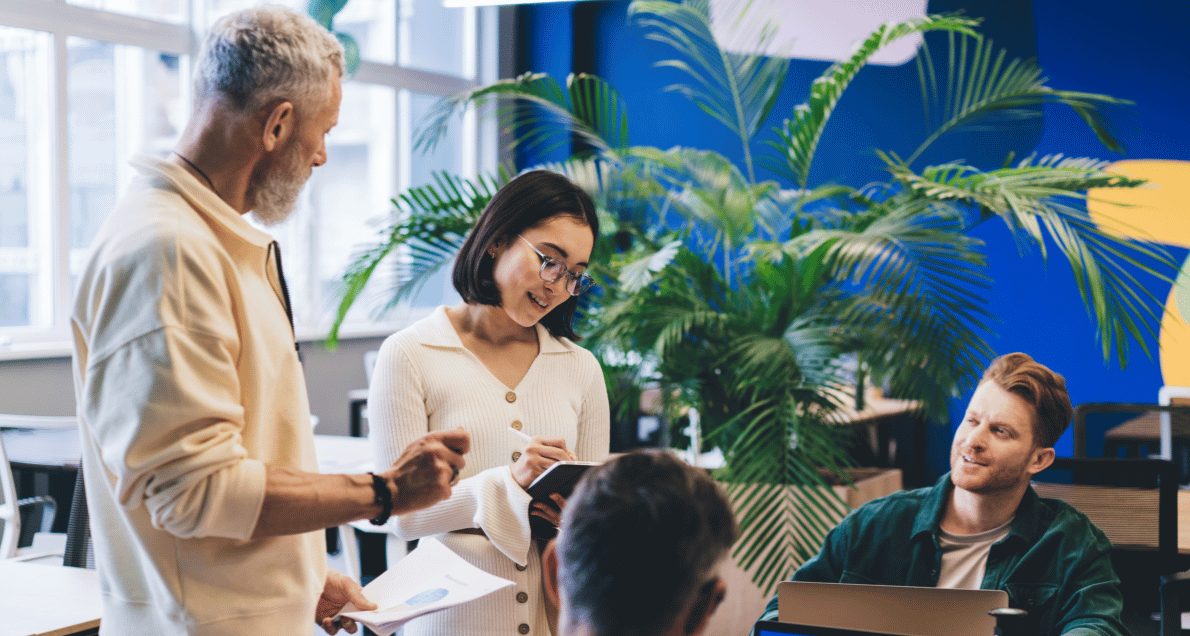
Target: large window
(87, 84)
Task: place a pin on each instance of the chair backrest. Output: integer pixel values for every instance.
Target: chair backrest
(1129, 429)
(79, 553)
(10, 518)
(1133, 501)
(8, 420)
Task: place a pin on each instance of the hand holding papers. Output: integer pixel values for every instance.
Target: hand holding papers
(429, 579)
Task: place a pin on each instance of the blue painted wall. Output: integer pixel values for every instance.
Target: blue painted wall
(1132, 50)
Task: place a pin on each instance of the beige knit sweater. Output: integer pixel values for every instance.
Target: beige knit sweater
(425, 380)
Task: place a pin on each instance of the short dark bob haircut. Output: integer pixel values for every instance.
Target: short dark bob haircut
(524, 202)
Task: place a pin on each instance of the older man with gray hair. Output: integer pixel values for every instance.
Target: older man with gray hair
(206, 505)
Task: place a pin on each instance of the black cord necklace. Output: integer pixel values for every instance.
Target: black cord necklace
(199, 171)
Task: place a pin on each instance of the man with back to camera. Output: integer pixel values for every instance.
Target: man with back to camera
(982, 526)
(205, 503)
(637, 549)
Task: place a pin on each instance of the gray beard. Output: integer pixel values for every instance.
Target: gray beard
(275, 193)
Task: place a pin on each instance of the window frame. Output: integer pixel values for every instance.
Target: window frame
(61, 21)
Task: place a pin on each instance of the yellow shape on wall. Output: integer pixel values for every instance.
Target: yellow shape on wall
(1158, 211)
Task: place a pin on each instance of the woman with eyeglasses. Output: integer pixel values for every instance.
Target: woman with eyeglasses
(504, 358)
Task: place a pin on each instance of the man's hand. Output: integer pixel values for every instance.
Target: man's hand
(425, 472)
(338, 591)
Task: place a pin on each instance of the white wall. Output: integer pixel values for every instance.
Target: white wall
(45, 386)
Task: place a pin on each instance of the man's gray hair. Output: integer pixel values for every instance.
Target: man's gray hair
(267, 53)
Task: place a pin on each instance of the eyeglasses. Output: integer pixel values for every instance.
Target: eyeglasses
(553, 269)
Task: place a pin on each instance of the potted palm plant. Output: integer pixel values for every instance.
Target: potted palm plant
(743, 297)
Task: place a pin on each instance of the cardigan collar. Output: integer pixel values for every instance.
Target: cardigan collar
(437, 331)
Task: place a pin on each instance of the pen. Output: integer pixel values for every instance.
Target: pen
(521, 436)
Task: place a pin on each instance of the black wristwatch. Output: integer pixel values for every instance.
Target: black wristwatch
(383, 498)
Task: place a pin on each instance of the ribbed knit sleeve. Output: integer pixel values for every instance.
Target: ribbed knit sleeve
(594, 421)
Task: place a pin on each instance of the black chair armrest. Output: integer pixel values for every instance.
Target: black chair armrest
(37, 515)
(1172, 587)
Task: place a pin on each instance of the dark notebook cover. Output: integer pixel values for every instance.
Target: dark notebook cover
(560, 478)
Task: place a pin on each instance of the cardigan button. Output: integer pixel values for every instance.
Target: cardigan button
(510, 397)
(523, 628)
(522, 597)
(516, 455)
(517, 425)
(521, 568)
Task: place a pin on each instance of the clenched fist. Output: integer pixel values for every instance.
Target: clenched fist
(426, 470)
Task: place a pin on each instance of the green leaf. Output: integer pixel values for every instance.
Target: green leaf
(1040, 200)
(431, 222)
(982, 84)
(638, 274)
(800, 135)
(540, 114)
(736, 90)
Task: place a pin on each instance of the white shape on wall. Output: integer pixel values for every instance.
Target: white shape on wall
(827, 30)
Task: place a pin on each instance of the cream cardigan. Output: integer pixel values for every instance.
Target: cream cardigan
(188, 385)
(425, 380)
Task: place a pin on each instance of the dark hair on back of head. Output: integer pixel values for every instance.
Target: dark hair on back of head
(1021, 375)
(640, 536)
(529, 199)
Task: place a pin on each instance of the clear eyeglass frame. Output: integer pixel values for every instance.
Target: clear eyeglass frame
(553, 269)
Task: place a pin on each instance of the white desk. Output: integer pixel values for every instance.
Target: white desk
(47, 599)
(341, 454)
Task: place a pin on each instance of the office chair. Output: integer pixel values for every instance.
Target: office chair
(1135, 503)
(1123, 429)
(1175, 590)
(79, 553)
(20, 519)
(25, 523)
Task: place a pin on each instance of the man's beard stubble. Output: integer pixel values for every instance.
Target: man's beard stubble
(275, 189)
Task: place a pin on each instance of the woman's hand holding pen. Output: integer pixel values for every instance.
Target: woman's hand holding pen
(538, 455)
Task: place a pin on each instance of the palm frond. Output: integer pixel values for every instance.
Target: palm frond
(914, 282)
(431, 221)
(1040, 201)
(800, 135)
(980, 82)
(784, 504)
(542, 114)
(639, 273)
(737, 90)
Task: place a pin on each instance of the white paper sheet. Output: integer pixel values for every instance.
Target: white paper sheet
(429, 579)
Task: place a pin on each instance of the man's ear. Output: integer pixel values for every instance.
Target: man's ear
(1042, 459)
(706, 601)
(278, 126)
(549, 565)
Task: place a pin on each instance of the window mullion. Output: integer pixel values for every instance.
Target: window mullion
(60, 180)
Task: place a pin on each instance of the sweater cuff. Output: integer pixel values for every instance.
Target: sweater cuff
(504, 514)
(241, 498)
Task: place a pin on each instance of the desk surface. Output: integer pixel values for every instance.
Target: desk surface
(49, 448)
(47, 599)
(877, 407)
(1147, 427)
(1114, 510)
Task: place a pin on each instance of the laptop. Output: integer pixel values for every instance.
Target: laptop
(890, 609)
(773, 628)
